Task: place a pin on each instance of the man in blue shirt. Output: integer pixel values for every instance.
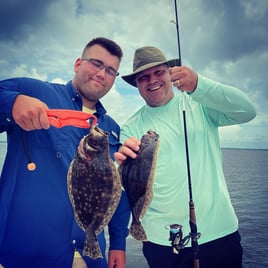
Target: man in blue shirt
(37, 225)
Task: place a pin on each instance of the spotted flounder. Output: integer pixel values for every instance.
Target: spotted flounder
(94, 187)
(137, 177)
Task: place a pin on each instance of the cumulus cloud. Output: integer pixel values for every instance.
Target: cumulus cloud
(224, 40)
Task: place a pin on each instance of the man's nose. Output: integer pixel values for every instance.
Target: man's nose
(101, 72)
(152, 79)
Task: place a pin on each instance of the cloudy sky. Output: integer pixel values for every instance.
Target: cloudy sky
(224, 40)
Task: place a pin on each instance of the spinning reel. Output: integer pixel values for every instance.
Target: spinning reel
(179, 242)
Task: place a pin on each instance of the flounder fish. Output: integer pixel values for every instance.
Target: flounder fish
(94, 187)
(137, 177)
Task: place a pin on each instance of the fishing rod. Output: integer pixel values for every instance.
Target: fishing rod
(178, 242)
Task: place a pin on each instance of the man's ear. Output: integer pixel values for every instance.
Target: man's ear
(77, 64)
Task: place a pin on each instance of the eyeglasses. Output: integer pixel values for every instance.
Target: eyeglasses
(98, 66)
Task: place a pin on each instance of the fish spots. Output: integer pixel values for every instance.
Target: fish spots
(94, 187)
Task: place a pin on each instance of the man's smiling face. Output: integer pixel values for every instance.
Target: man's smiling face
(154, 85)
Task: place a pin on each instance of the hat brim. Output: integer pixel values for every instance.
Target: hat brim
(130, 78)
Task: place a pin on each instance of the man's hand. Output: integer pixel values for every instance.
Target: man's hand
(183, 78)
(116, 259)
(129, 148)
(30, 113)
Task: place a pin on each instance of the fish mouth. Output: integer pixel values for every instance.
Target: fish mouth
(89, 144)
(87, 151)
(96, 131)
(84, 147)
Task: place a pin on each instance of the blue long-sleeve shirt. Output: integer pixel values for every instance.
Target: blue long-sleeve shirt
(37, 225)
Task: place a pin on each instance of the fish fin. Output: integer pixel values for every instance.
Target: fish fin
(137, 231)
(91, 245)
(136, 228)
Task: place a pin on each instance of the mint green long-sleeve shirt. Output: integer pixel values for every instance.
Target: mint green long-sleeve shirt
(210, 106)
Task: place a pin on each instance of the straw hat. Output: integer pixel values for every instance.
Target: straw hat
(145, 58)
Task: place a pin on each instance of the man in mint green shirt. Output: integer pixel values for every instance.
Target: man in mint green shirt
(208, 105)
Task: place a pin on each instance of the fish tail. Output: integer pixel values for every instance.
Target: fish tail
(137, 231)
(91, 246)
